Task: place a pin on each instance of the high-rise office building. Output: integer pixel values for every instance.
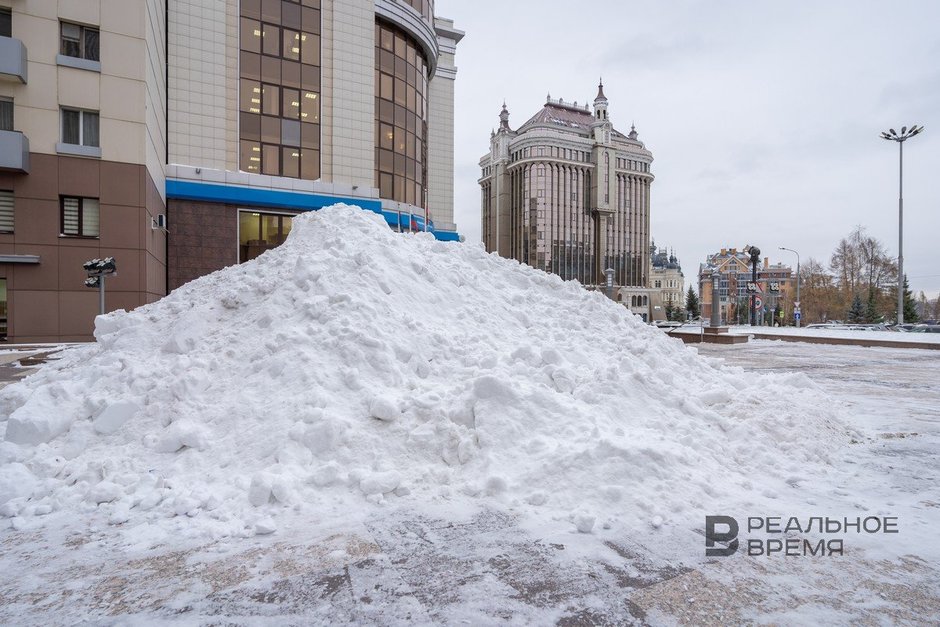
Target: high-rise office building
(568, 193)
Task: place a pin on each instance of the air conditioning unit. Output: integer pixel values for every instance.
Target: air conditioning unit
(160, 222)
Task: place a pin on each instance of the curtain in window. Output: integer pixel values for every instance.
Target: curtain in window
(70, 209)
(70, 122)
(6, 115)
(90, 217)
(6, 212)
(91, 44)
(89, 129)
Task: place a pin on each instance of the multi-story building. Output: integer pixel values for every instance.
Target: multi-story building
(775, 283)
(219, 119)
(666, 276)
(568, 193)
(82, 154)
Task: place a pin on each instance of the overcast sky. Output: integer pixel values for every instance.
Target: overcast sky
(763, 117)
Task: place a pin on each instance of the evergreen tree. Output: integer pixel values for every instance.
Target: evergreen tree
(857, 310)
(910, 307)
(871, 308)
(691, 303)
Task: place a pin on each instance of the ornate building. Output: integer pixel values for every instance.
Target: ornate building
(666, 276)
(568, 193)
(776, 285)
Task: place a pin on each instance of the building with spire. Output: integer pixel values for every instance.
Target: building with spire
(666, 277)
(568, 193)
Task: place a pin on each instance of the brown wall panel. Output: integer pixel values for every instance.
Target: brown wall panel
(205, 239)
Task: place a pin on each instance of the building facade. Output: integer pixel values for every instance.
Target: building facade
(776, 287)
(82, 154)
(569, 194)
(181, 137)
(666, 276)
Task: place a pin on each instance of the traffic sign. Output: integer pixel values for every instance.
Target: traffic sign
(758, 303)
(796, 304)
(796, 315)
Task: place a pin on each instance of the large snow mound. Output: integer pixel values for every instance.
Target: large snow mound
(355, 364)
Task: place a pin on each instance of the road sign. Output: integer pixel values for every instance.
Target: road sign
(796, 304)
(758, 303)
(753, 288)
(796, 315)
(774, 286)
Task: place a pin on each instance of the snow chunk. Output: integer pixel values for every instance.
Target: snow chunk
(114, 416)
(384, 408)
(380, 482)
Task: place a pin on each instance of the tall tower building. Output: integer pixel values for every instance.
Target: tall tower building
(569, 194)
(182, 137)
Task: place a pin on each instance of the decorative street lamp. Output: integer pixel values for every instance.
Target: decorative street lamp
(796, 306)
(754, 252)
(892, 135)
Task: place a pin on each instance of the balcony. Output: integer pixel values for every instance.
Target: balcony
(14, 152)
(13, 60)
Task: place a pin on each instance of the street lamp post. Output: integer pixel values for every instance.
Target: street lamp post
(892, 135)
(797, 314)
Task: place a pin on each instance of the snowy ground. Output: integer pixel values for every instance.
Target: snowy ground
(468, 561)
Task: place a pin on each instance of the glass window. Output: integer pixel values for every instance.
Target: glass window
(250, 35)
(291, 104)
(250, 96)
(6, 211)
(270, 100)
(290, 133)
(291, 46)
(270, 159)
(280, 80)
(260, 232)
(6, 114)
(79, 41)
(6, 22)
(80, 127)
(79, 216)
(310, 107)
(250, 156)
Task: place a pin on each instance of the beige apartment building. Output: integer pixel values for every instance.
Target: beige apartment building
(569, 194)
(82, 153)
(182, 137)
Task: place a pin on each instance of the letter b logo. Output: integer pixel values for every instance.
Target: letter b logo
(712, 536)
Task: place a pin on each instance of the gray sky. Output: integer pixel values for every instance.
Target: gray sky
(763, 117)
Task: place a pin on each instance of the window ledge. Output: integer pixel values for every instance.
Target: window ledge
(77, 150)
(78, 63)
(68, 236)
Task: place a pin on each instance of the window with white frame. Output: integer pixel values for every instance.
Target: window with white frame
(79, 41)
(80, 127)
(6, 211)
(79, 216)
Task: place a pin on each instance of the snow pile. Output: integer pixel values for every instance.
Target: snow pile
(353, 364)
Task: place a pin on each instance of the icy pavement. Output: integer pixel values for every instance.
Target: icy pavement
(466, 563)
